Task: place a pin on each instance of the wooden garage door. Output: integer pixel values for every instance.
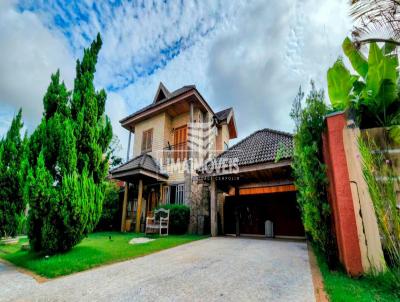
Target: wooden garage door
(253, 211)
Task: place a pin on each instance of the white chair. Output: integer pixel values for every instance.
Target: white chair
(158, 222)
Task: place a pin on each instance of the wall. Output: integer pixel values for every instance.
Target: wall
(157, 123)
(354, 219)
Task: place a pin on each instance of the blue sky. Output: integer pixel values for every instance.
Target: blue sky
(251, 55)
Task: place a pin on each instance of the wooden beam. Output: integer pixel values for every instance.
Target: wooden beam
(124, 205)
(267, 190)
(213, 203)
(139, 206)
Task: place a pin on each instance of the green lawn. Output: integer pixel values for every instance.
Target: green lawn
(341, 288)
(93, 251)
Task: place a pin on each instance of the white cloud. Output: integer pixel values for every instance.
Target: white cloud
(251, 55)
(274, 48)
(30, 52)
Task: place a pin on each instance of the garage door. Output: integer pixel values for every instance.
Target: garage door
(251, 212)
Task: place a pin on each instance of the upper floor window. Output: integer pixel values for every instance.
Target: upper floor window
(147, 141)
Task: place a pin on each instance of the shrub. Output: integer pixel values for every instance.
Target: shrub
(110, 216)
(309, 171)
(179, 216)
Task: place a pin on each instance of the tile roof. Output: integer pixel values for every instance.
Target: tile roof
(170, 96)
(223, 114)
(143, 161)
(261, 147)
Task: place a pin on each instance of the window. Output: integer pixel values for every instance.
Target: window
(174, 194)
(180, 194)
(147, 140)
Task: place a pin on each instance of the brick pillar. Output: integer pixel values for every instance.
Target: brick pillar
(340, 195)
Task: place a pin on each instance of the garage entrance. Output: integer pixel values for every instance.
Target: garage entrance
(248, 213)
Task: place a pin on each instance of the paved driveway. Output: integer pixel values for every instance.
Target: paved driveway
(214, 269)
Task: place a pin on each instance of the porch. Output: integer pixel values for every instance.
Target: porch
(143, 191)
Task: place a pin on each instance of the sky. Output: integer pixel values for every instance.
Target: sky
(250, 55)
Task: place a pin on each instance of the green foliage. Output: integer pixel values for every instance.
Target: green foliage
(281, 153)
(12, 176)
(310, 175)
(179, 218)
(110, 218)
(93, 130)
(41, 193)
(382, 180)
(372, 94)
(68, 161)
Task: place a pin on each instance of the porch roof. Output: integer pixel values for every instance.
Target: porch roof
(142, 166)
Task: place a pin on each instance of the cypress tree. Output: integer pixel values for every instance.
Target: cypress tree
(93, 129)
(12, 176)
(69, 160)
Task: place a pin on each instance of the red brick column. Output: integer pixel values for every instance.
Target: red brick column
(340, 196)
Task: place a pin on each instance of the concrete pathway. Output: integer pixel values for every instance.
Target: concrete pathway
(214, 269)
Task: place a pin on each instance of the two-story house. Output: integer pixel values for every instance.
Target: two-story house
(173, 136)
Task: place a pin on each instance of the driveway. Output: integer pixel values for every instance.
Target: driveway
(214, 269)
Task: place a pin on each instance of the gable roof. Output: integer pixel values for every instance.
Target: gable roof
(223, 114)
(261, 147)
(144, 162)
(162, 93)
(171, 95)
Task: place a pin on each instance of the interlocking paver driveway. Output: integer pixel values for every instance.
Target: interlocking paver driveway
(214, 269)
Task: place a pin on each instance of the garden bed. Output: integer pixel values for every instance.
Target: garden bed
(98, 249)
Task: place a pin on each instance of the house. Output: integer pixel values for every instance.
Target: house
(181, 155)
(174, 135)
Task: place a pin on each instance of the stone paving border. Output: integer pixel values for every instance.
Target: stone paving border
(318, 281)
(38, 278)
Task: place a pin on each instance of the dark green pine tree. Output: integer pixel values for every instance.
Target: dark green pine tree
(93, 129)
(68, 161)
(12, 175)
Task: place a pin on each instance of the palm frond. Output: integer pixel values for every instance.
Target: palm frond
(376, 20)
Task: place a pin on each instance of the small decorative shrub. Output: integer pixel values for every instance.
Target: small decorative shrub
(179, 216)
(110, 217)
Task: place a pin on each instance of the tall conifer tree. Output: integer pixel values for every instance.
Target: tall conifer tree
(12, 176)
(69, 160)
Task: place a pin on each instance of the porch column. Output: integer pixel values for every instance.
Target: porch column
(124, 205)
(237, 218)
(139, 206)
(213, 202)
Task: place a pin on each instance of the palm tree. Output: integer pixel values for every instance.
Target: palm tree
(376, 21)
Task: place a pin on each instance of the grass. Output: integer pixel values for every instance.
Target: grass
(341, 288)
(93, 251)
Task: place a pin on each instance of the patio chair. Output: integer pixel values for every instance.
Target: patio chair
(158, 222)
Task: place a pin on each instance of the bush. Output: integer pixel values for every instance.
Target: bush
(179, 216)
(110, 216)
(309, 171)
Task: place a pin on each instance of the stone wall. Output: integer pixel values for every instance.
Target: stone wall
(199, 208)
